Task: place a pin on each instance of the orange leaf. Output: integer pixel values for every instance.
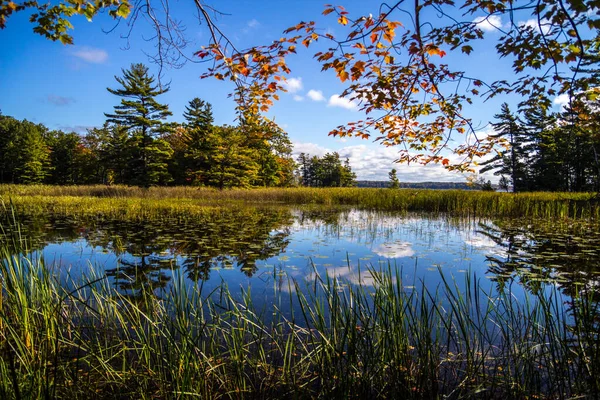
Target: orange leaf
(342, 20)
(328, 11)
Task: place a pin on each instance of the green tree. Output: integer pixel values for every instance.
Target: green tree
(394, 182)
(272, 147)
(65, 158)
(513, 163)
(326, 171)
(24, 154)
(199, 126)
(232, 163)
(143, 117)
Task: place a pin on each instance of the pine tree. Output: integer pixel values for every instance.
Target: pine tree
(513, 162)
(143, 116)
(24, 153)
(347, 178)
(394, 182)
(547, 162)
(199, 126)
(198, 115)
(64, 157)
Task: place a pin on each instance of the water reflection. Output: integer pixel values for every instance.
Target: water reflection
(266, 244)
(567, 255)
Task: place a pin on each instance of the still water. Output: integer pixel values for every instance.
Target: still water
(265, 248)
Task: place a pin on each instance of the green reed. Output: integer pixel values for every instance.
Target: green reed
(157, 200)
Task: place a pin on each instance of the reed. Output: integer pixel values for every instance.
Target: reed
(80, 337)
(137, 201)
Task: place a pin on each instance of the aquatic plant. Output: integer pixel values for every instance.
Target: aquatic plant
(321, 338)
(138, 202)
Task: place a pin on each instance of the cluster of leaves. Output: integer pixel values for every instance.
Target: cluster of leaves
(52, 20)
(395, 69)
(397, 65)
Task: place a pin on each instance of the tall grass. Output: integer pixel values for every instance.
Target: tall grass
(158, 199)
(83, 338)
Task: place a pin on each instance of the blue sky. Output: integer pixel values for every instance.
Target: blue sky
(65, 86)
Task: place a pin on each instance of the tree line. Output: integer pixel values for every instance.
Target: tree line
(547, 151)
(136, 146)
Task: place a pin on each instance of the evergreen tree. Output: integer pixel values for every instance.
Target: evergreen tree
(198, 115)
(347, 177)
(143, 116)
(199, 126)
(24, 154)
(304, 166)
(326, 171)
(513, 162)
(394, 182)
(8, 148)
(547, 160)
(64, 157)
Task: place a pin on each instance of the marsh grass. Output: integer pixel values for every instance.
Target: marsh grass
(138, 201)
(83, 339)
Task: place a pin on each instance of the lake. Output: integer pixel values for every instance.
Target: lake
(260, 248)
(303, 299)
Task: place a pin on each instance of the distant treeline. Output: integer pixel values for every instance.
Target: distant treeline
(136, 146)
(418, 185)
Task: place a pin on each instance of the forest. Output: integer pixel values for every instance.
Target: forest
(136, 146)
(543, 151)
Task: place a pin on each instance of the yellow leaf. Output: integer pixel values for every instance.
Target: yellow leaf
(342, 20)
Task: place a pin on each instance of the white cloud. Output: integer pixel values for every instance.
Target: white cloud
(293, 85)
(489, 23)
(374, 162)
(253, 23)
(394, 250)
(533, 24)
(60, 100)
(337, 101)
(561, 100)
(76, 128)
(309, 148)
(91, 55)
(315, 95)
(298, 98)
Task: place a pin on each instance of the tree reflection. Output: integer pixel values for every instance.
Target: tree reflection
(537, 253)
(147, 250)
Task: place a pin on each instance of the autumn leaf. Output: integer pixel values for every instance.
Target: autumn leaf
(342, 20)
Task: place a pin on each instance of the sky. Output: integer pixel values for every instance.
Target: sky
(64, 87)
